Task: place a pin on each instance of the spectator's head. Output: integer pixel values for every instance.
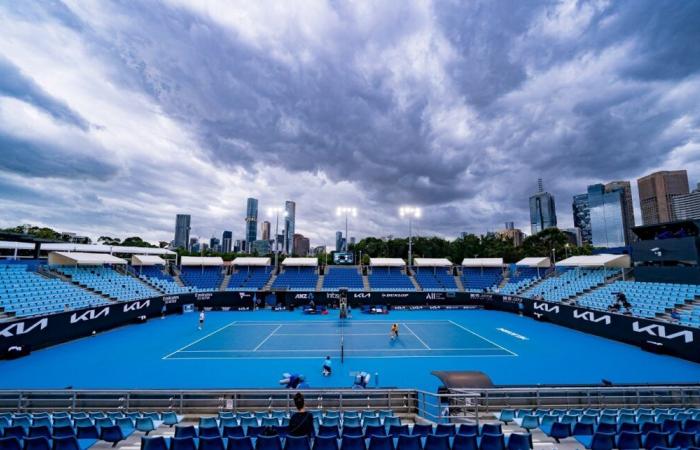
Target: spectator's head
(299, 401)
(328, 357)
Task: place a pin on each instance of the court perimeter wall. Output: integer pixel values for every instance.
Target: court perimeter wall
(20, 336)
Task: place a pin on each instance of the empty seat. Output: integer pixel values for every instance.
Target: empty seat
(211, 443)
(153, 443)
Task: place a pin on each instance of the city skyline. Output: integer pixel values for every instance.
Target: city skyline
(442, 111)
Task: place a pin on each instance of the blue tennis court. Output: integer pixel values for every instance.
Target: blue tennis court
(252, 349)
(352, 338)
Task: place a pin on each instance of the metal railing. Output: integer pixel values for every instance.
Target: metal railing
(455, 406)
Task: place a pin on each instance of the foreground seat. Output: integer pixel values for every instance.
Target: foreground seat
(629, 440)
(519, 441)
(211, 443)
(10, 443)
(297, 443)
(492, 442)
(409, 442)
(267, 443)
(153, 443)
(112, 434)
(65, 443)
(325, 443)
(351, 443)
(183, 443)
(437, 442)
(37, 443)
(465, 442)
(377, 442)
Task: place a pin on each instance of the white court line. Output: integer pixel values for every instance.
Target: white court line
(277, 358)
(349, 322)
(330, 334)
(268, 337)
(353, 350)
(479, 336)
(419, 339)
(198, 340)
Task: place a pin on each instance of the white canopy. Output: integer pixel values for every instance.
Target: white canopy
(534, 262)
(90, 248)
(432, 262)
(387, 262)
(201, 261)
(296, 262)
(82, 259)
(482, 262)
(16, 245)
(602, 260)
(147, 260)
(250, 261)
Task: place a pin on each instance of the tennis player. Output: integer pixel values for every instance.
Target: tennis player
(394, 331)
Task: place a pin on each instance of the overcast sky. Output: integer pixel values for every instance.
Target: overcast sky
(116, 115)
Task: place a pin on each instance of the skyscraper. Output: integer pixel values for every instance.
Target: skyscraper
(182, 231)
(266, 231)
(582, 217)
(227, 242)
(656, 192)
(606, 210)
(214, 244)
(301, 245)
(687, 206)
(543, 212)
(251, 220)
(339, 241)
(627, 207)
(289, 219)
(510, 225)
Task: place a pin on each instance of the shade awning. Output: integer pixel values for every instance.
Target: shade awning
(90, 248)
(147, 260)
(16, 245)
(482, 262)
(387, 262)
(250, 261)
(201, 261)
(602, 260)
(82, 259)
(534, 262)
(432, 262)
(298, 262)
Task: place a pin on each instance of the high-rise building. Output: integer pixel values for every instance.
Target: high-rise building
(656, 192)
(514, 235)
(289, 221)
(237, 246)
(510, 225)
(227, 242)
(215, 245)
(582, 217)
(543, 212)
(260, 247)
(352, 240)
(627, 207)
(687, 206)
(182, 231)
(339, 241)
(251, 220)
(301, 245)
(577, 233)
(606, 210)
(266, 231)
(194, 245)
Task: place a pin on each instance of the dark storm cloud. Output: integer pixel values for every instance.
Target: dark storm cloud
(13, 83)
(457, 106)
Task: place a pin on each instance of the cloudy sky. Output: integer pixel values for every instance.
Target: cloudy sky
(116, 115)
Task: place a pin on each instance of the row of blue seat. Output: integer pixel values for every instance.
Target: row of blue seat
(516, 441)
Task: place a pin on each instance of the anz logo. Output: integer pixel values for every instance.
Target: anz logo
(135, 306)
(660, 331)
(17, 329)
(546, 307)
(591, 317)
(90, 314)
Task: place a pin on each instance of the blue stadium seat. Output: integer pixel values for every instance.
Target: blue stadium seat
(87, 432)
(396, 430)
(233, 431)
(683, 439)
(465, 442)
(112, 433)
(325, 443)
(10, 443)
(377, 442)
(656, 439)
(65, 443)
(519, 441)
(209, 432)
(628, 440)
(211, 443)
(492, 442)
(375, 430)
(328, 430)
(352, 442)
(184, 443)
(444, 428)
(297, 443)
(422, 429)
(153, 443)
(37, 443)
(352, 431)
(437, 442)
(409, 442)
(239, 443)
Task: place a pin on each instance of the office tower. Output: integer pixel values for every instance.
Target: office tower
(515, 235)
(182, 231)
(656, 191)
(227, 242)
(301, 245)
(352, 240)
(627, 207)
(606, 211)
(582, 217)
(215, 245)
(289, 220)
(577, 233)
(194, 245)
(510, 225)
(260, 247)
(266, 231)
(687, 206)
(237, 246)
(251, 220)
(543, 212)
(338, 241)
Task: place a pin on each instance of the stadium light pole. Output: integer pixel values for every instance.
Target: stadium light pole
(412, 213)
(348, 211)
(276, 212)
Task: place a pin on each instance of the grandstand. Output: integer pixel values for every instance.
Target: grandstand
(23, 292)
(151, 270)
(298, 274)
(525, 273)
(337, 277)
(435, 274)
(205, 273)
(249, 274)
(481, 274)
(388, 274)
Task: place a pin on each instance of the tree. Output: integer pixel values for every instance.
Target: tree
(106, 240)
(135, 241)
